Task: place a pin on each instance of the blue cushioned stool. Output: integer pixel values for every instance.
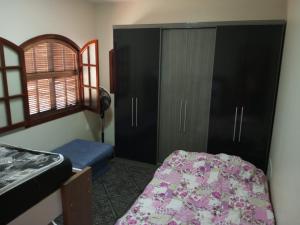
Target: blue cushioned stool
(84, 153)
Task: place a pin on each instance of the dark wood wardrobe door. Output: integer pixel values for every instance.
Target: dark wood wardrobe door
(125, 93)
(137, 71)
(249, 82)
(261, 63)
(146, 51)
(226, 93)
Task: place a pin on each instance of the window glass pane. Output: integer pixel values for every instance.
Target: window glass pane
(29, 61)
(60, 93)
(17, 110)
(92, 54)
(86, 96)
(85, 57)
(1, 85)
(93, 77)
(11, 57)
(14, 82)
(94, 99)
(3, 119)
(44, 94)
(58, 57)
(85, 72)
(70, 59)
(72, 91)
(41, 57)
(32, 96)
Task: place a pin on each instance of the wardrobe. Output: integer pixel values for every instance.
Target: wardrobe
(207, 87)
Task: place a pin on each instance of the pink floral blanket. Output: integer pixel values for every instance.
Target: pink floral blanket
(203, 189)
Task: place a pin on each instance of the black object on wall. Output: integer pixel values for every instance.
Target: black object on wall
(244, 90)
(136, 105)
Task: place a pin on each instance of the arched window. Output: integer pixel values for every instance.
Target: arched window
(45, 78)
(52, 74)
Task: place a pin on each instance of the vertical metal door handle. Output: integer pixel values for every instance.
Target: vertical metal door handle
(241, 123)
(180, 115)
(234, 126)
(185, 104)
(131, 112)
(136, 111)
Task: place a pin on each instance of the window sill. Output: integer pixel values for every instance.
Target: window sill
(12, 128)
(52, 115)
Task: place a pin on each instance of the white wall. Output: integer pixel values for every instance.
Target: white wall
(22, 20)
(48, 136)
(174, 11)
(285, 150)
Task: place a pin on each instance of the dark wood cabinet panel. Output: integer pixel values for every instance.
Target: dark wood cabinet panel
(137, 72)
(226, 94)
(246, 74)
(146, 92)
(124, 95)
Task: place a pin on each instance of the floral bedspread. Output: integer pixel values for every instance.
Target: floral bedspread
(203, 189)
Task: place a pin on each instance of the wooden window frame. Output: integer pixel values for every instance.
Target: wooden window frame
(6, 98)
(46, 116)
(86, 47)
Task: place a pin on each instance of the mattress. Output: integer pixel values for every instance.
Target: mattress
(26, 177)
(202, 189)
(84, 153)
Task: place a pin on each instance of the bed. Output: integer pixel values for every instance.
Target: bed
(31, 178)
(203, 189)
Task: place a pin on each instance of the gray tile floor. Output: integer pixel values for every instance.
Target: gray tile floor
(115, 191)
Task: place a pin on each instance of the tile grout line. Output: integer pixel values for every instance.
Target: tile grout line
(133, 181)
(109, 200)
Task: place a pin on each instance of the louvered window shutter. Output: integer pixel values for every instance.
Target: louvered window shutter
(52, 76)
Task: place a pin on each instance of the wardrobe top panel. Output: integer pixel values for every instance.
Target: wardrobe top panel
(201, 24)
